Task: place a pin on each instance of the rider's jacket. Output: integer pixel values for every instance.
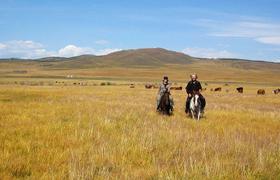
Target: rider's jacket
(164, 88)
(193, 86)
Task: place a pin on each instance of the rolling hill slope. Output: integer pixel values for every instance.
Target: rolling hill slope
(128, 58)
(145, 64)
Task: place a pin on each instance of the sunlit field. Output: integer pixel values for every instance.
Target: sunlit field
(86, 132)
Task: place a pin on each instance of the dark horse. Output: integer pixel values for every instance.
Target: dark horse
(164, 104)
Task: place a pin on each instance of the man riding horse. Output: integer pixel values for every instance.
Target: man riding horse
(164, 88)
(194, 87)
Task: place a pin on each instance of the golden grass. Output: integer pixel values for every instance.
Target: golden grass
(221, 71)
(57, 132)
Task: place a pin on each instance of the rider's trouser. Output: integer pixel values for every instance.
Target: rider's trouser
(203, 103)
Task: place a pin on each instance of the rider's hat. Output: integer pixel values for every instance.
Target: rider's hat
(165, 77)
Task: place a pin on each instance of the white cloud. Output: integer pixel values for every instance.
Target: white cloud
(72, 50)
(258, 30)
(106, 51)
(208, 53)
(269, 40)
(23, 49)
(249, 29)
(2, 46)
(30, 49)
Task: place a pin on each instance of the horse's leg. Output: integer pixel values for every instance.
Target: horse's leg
(168, 106)
(201, 113)
(198, 115)
(168, 110)
(165, 107)
(192, 114)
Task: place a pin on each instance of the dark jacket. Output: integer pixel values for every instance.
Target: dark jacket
(193, 86)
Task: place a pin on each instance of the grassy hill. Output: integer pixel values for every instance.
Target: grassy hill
(143, 65)
(153, 57)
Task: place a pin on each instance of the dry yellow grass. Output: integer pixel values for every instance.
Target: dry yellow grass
(58, 132)
(217, 71)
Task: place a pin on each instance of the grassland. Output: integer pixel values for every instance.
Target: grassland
(54, 127)
(87, 132)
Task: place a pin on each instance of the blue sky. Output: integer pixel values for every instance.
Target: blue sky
(216, 28)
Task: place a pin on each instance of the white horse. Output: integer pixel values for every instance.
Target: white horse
(195, 107)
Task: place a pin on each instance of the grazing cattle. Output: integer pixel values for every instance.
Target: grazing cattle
(211, 89)
(239, 90)
(276, 91)
(261, 92)
(148, 86)
(218, 89)
(226, 84)
(227, 90)
(132, 86)
(204, 89)
(177, 88)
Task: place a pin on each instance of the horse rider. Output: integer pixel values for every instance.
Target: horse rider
(163, 88)
(194, 86)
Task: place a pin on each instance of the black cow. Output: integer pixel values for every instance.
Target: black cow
(276, 91)
(148, 86)
(218, 89)
(261, 92)
(240, 89)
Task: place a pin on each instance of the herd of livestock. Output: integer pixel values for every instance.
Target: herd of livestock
(147, 86)
(218, 89)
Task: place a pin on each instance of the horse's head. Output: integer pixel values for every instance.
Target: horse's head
(196, 100)
(195, 106)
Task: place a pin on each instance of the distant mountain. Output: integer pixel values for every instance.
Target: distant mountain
(52, 59)
(128, 58)
(149, 57)
(142, 64)
(152, 56)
